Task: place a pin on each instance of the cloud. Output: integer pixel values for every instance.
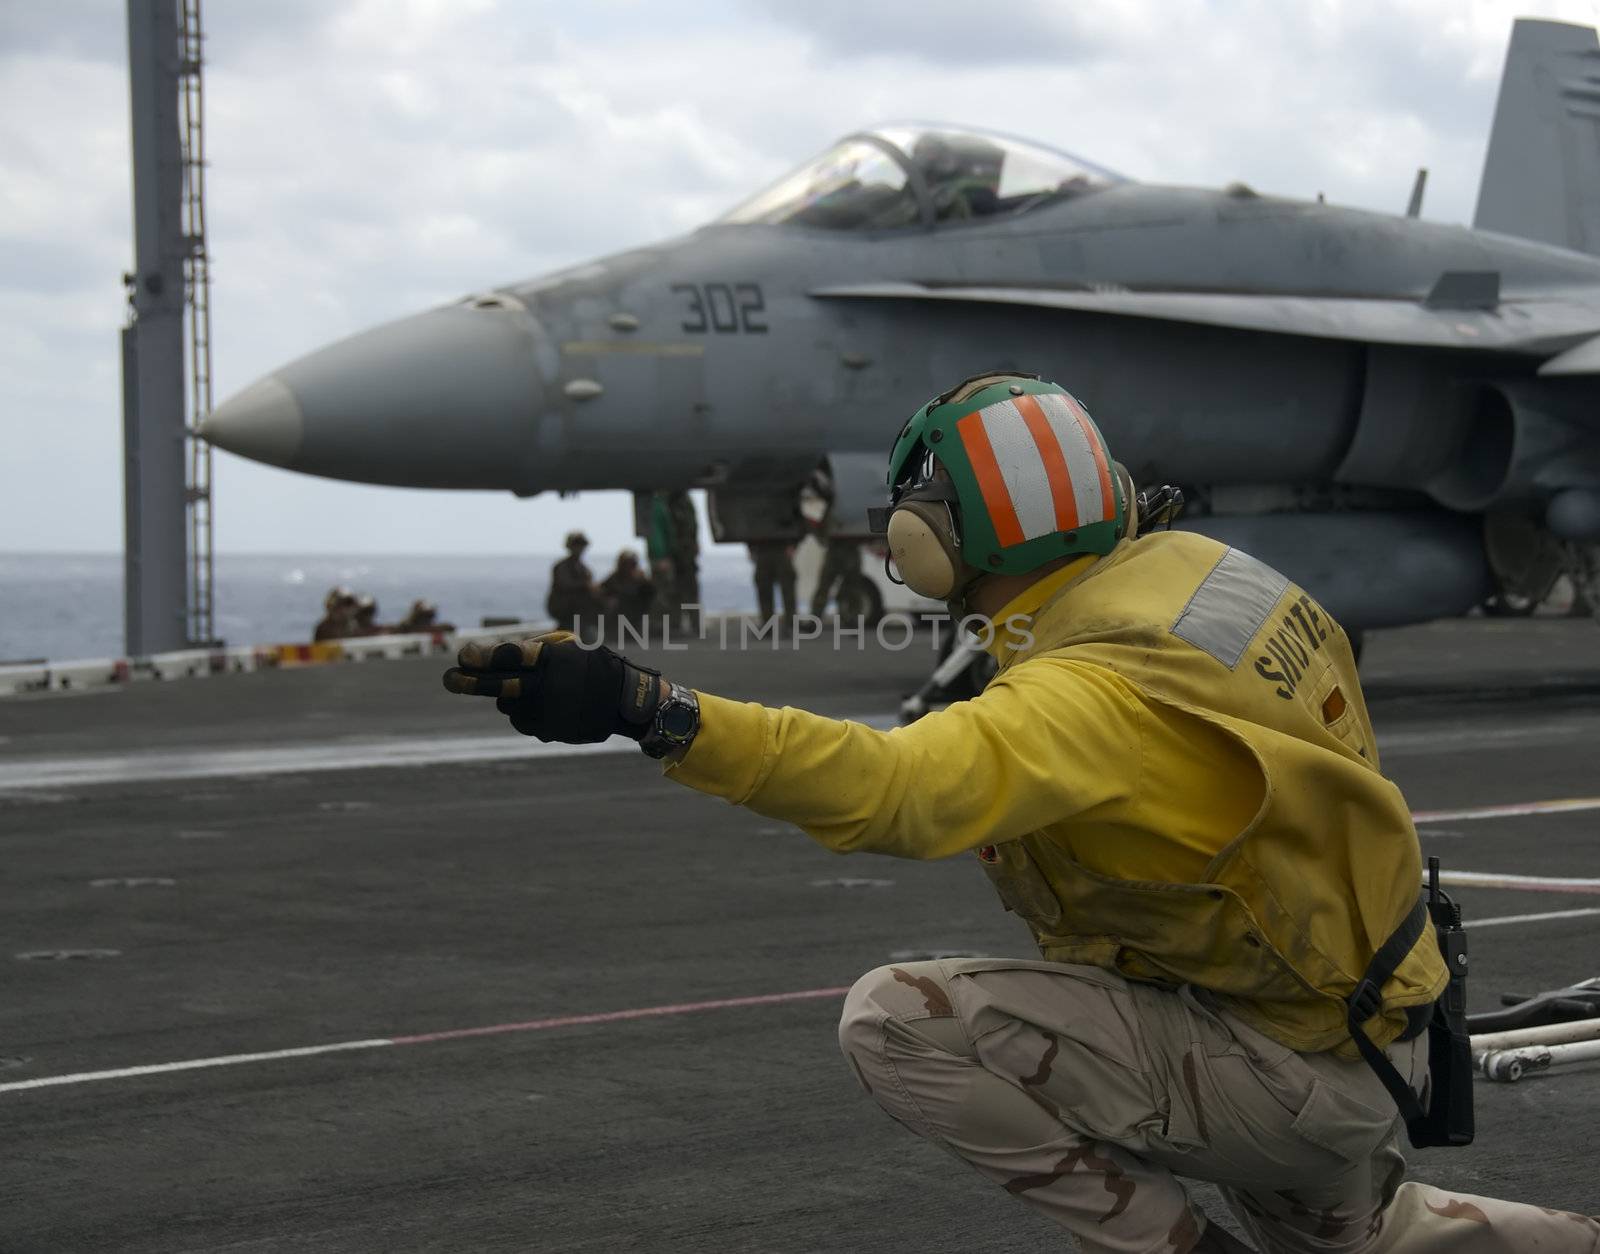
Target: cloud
(80, 30)
(369, 159)
(956, 35)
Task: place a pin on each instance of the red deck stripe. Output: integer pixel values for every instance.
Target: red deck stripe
(617, 1016)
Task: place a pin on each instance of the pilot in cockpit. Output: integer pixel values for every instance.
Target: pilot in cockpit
(903, 176)
(962, 174)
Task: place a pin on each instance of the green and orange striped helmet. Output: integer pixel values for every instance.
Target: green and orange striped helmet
(1032, 475)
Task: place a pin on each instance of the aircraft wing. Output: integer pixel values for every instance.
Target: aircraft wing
(1464, 311)
(1582, 358)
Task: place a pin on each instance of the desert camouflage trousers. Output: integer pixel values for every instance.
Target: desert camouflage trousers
(1087, 1097)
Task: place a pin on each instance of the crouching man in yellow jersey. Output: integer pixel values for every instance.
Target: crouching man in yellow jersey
(1173, 780)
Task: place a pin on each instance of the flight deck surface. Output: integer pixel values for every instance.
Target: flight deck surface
(662, 972)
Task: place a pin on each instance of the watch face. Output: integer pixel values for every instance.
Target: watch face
(676, 721)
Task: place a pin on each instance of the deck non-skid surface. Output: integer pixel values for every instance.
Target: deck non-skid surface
(657, 966)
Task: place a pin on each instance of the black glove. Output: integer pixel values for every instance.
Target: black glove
(551, 687)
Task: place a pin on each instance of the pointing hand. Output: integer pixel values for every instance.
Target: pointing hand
(552, 687)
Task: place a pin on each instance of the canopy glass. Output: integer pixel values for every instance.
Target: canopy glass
(902, 176)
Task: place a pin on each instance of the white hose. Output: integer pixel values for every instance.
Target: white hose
(1548, 1034)
(1512, 1064)
(946, 673)
(961, 655)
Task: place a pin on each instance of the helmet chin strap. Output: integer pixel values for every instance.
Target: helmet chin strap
(957, 604)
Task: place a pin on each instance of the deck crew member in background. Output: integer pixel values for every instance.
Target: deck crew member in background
(1173, 780)
(685, 562)
(364, 621)
(338, 615)
(841, 557)
(658, 551)
(423, 616)
(773, 562)
(628, 592)
(573, 598)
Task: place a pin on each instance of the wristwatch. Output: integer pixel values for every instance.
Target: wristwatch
(676, 722)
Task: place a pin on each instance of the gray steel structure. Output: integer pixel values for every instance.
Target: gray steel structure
(1398, 414)
(197, 290)
(166, 486)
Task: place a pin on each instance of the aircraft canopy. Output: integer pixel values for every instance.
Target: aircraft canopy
(919, 175)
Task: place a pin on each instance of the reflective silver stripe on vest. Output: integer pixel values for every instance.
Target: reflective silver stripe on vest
(1228, 608)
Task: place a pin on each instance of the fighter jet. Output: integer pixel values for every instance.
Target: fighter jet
(1400, 415)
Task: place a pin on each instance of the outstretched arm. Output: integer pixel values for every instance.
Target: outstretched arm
(1044, 742)
(1047, 740)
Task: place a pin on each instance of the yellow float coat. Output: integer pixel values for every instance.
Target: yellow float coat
(1173, 776)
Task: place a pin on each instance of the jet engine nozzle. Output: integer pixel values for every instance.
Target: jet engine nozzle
(443, 399)
(1525, 443)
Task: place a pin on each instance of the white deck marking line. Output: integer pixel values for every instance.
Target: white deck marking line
(148, 766)
(1532, 918)
(1435, 740)
(426, 1038)
(192, 1064)
(174, 764)
(607, 1016)
(1526, 883)
(1566, 805)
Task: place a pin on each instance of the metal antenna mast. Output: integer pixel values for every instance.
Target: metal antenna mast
(197, 292)
(167, 471)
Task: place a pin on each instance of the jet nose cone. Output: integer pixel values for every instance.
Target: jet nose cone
(264, 423)
(444, 399)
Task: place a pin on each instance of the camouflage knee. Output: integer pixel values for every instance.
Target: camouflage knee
(911, 995)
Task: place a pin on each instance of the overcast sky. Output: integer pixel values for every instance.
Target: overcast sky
(372, 158)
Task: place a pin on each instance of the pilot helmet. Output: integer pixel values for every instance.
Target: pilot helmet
(1000, 475)
(935, 157)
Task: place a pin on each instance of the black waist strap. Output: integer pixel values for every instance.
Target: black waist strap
(1367, 1000)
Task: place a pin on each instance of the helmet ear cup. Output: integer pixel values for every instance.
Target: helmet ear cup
(1130, 505)
(923, 549)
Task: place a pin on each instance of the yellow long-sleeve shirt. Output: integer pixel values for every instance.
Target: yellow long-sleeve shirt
(1173, 776)
(1052, 745)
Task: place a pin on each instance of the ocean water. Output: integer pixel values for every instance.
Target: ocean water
(65, 606)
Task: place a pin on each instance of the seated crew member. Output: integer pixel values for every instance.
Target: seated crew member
(338, 615)
(628, 592)
(961, 173)
(364, 619)
(423, 616)
(1173, 780)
